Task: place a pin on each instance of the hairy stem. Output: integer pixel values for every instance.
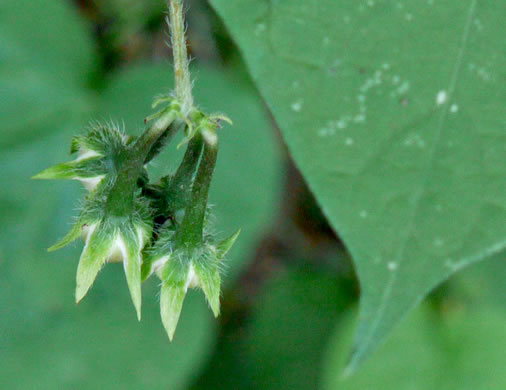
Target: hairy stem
(190, 232)
(183, 177)
(120, 201)
(181, 68)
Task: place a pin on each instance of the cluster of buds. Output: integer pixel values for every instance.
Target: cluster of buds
(160, 228)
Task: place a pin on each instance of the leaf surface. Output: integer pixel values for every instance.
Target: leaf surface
(43, 76)
(458, 350)
(394, 113)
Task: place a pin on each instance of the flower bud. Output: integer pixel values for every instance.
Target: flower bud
(98, 156)
(180, 268)
(110, 239)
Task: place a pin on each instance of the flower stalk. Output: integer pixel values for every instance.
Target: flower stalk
(183, 89)
(191, 229)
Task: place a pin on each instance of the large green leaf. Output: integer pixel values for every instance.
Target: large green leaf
(462, 350)
(46, 58)
(394, 112)
(48, 35)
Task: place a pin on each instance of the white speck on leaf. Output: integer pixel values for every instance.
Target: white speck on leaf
(359, 118)
(414, 140)
(392, 266)
(403, 88)
(363, 214)
(438, 242)
(260, 28)
(377, 76)
(454, 108)
(478, 24)
(349, 141)
(297, 106)
(341, 124)
(484, 74)
(454, 266)
(441, 97)
(324, 132)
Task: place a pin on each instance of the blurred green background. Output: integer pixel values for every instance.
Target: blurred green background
(290, 293)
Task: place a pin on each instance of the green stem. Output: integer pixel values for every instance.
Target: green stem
(120, 201)
(184, 174)
(191, 230)
(145, 142)
(181, 66)
(177, 194)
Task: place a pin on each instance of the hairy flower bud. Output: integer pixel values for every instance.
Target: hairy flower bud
(98, 156)
(183, 267)
(110, 238)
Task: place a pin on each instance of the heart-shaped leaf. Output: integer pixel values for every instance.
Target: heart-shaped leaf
(394, 113)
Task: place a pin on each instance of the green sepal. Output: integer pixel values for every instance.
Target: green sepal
(209, 280)
(160, 99)
(224, 246)
(132, 261)
(101, 152)
(158, 253)
(217, 118)
(104, 139)
(146, 267)
(205, 124)
(171, 304)
(190, 133)
(71, 236)
(113, 238)
(172, 107)
(95, 253)
(59, 171)
(74, 170)
(174, 286)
